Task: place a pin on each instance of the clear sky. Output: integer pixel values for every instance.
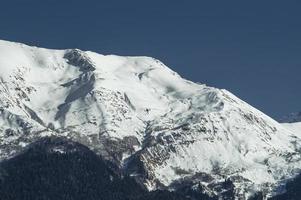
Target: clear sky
(251, 48)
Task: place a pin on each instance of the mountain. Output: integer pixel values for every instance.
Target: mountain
(56, 168)
(293, 186)
(144, 121)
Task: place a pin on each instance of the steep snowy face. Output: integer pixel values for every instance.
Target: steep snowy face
(144, 119)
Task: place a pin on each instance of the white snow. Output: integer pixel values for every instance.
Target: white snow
(294, 127)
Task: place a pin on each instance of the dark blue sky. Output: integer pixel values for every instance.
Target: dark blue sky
(251, 48)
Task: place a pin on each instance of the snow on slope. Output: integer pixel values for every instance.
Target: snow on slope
(142, 117)
(294, 127)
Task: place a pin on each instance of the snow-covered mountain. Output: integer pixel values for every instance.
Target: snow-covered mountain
(143, 119)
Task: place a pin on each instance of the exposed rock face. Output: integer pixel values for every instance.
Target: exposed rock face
(144, 120)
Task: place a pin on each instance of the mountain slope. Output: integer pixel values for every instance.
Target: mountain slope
(55, 168)
(294, 127)
(143, 119)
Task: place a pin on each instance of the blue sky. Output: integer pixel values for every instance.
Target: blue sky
(251, 48)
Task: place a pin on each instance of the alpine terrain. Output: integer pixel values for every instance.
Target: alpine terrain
(143, 121)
